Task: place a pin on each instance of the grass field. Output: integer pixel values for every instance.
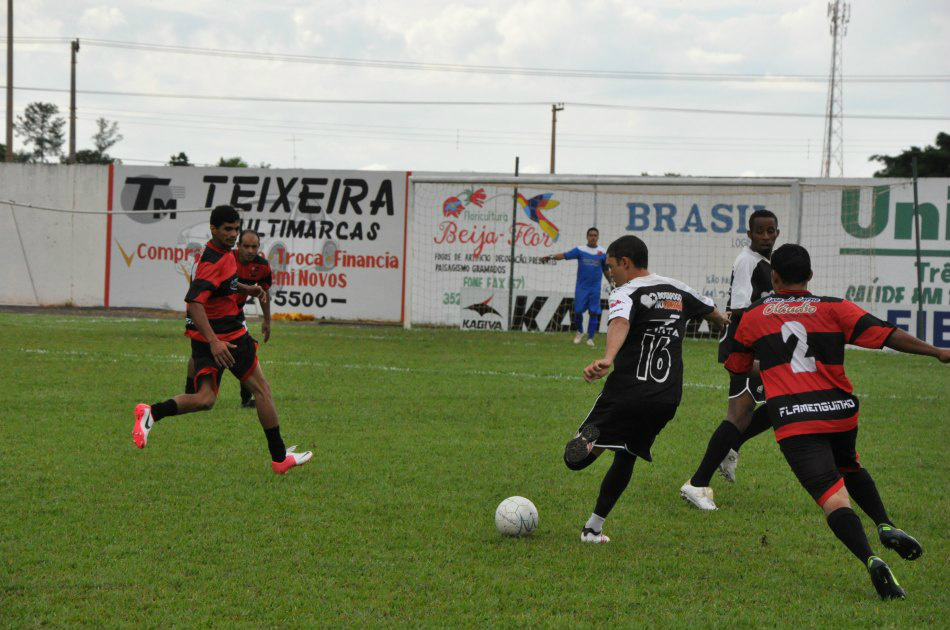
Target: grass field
(418, 435)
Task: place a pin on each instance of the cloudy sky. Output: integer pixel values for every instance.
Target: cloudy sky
(486, 56)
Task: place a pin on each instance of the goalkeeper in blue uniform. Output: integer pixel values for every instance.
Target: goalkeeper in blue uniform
(591, 265)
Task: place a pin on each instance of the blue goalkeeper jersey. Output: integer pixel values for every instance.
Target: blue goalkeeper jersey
(591, 263)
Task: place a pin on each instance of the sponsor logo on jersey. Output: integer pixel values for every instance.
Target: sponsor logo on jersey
(831, 405)
(784, 308)
(663, 299)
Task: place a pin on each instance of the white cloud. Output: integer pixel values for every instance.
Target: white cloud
(100, 19)
(714, 58)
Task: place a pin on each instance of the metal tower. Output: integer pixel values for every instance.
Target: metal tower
(839, 13)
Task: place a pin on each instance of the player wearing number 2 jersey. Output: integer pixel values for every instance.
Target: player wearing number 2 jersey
(647, 322)
(799, 339)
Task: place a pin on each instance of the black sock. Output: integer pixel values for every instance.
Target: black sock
(275, 444)
(189, 385)
(614, 483)
(164, 409)
(863, 490)
(760, 422)
(725, 436)
(245, 393)
(847, 527)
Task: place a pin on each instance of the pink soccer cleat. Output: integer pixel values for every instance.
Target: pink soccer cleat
(291, 459)
(143, 424)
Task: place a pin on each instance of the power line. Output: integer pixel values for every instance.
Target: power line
(397, 102)
(387, 64)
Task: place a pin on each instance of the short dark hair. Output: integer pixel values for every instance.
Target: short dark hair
(630, 247)
(762, 214)
(792, 263)
(590, 229)
(246, 232)
(224, 214)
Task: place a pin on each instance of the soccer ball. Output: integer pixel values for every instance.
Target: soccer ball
(516, 516)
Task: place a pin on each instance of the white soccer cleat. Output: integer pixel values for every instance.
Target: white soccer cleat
(579, 337)
(590, 536)
(590, 342)
(291, 459)
(143, 424)
(700, 497)
(727, 467)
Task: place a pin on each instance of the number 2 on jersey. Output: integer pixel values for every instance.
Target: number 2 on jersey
(799, 362)
(655, 359)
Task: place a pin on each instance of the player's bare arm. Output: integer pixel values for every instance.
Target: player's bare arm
(254, 291)
(904, 342)
(219, 349)
(616, 334)
(720, 319)
(265, 326)
(551, 257)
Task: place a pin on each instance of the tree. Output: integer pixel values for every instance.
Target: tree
(92, 156)
(41, 126)
(235, 161)
(18, 156)
(932, 161)
(179, 160)
(107, 136)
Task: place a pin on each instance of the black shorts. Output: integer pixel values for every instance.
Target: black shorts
(819, 460)
(245, 359)
(628, 425)
(739, 385)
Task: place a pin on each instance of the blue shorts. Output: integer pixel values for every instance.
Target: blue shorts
(587, 300)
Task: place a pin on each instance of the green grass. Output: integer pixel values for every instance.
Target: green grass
(417, 437)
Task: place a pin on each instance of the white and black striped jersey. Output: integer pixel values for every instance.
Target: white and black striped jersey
(751, 281)
(649, 365)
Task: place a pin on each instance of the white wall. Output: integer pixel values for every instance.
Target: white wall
(53, 258)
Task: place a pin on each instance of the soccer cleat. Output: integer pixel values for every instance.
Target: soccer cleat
(590, 342)
(579, 337)
(727, 467)
(250, 403)
(883, 580)
(900, 541)
(579, 448)
(588, 535)
(291, 459)
(143, 424)
(700, 497)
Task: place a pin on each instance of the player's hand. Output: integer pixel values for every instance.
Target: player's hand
(728, 317)
(944, 356)
(597, 369)
(545, 259)
(221, 352)
(265, 330)
(257, 291)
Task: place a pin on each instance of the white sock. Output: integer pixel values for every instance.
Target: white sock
(595, 523)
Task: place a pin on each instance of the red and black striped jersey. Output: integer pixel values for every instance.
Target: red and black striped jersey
(214, 286)
(799, 340)
(255, 272)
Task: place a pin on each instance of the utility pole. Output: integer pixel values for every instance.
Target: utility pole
(555, 108)
(9, 155)
(293, 138)
(74, 48)
(833, 148)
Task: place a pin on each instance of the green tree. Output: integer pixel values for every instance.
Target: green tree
(106, 136)
(932, 161)
(235, 161)
(179, 160)
(41, 125)
(93, 156)
(18, 156)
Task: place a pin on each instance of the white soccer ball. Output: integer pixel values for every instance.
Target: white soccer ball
(516, 516)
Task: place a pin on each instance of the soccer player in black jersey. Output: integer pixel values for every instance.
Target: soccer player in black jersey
(220, 340)
(751, 280)
(647, 322)
(799, 340)
(252, 269)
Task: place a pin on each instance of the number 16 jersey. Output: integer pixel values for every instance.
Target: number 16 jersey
(799, 340)
(649, 364)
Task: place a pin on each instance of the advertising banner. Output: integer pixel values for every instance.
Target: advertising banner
(463, 239)
(863, 246)
(334, 239)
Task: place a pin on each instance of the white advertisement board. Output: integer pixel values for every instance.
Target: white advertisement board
(334, 239)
